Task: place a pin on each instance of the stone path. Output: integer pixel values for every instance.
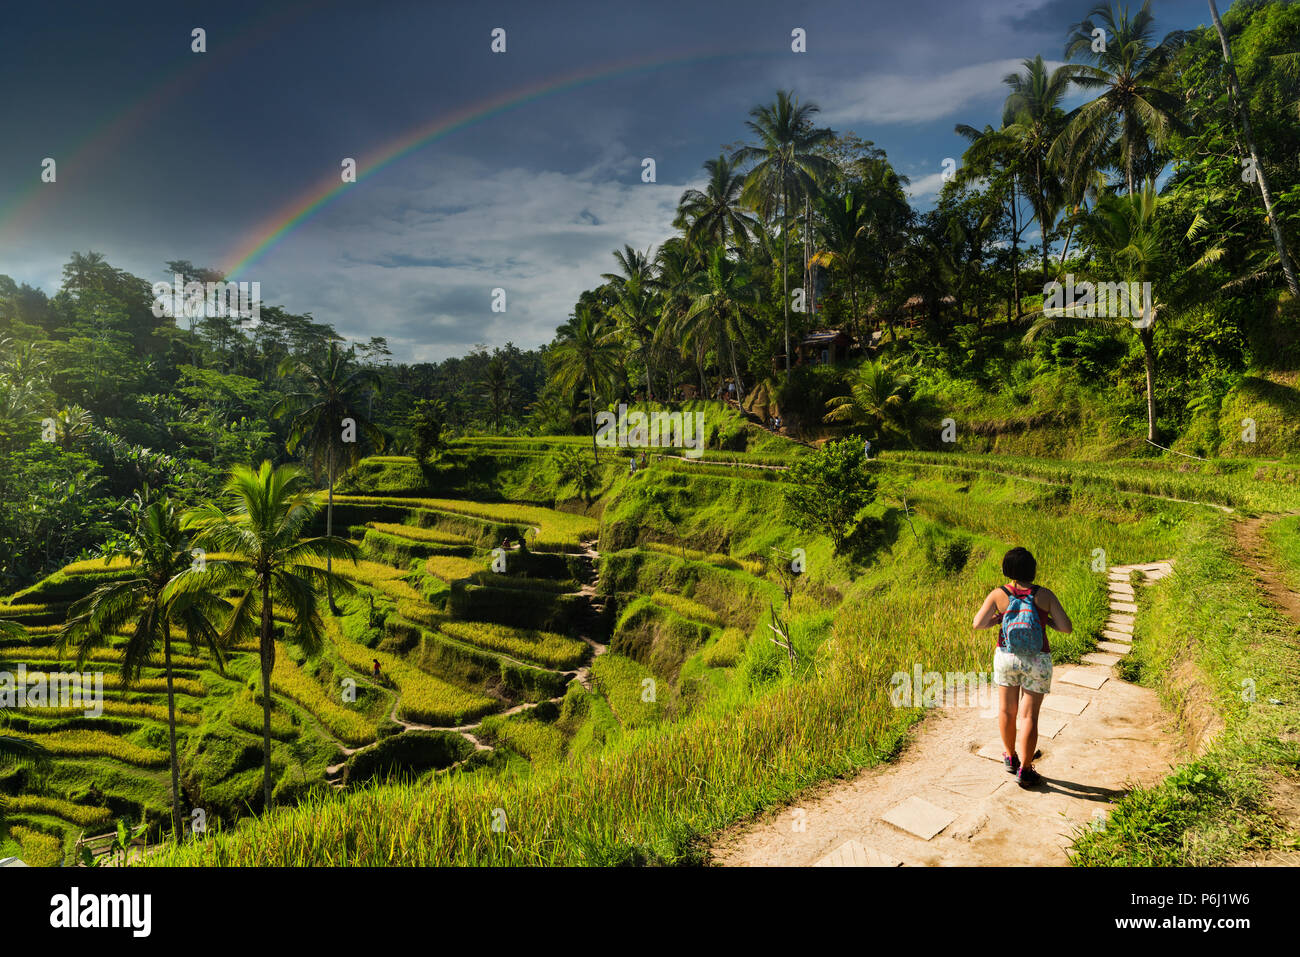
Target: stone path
(948, 800)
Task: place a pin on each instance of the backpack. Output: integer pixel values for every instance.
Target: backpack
(1022, 625)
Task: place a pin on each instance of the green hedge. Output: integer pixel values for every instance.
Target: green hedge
(523, 608)
(413, 752)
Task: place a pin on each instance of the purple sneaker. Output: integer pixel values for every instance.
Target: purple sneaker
(1011, 762)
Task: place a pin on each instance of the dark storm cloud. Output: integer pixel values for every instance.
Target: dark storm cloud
(167, 154)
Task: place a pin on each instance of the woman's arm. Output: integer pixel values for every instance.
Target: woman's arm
(1057, 618)
(989, 613)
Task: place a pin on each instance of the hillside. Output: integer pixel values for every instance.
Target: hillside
(579, 695)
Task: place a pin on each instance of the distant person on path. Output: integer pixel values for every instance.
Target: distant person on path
(645, 458)
(1022, 661)
(631, 465)
(866, 447)
(376, 661)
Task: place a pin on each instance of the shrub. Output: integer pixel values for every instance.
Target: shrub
(828, 491)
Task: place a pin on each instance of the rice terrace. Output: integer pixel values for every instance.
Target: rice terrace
(695, 578)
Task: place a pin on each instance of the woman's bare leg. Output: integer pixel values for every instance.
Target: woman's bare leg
(1008, 699)
(1029, 705)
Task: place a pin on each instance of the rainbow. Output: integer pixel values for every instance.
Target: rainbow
(274, 228)
(181, 74)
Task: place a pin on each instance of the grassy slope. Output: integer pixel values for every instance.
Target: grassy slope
(762, 732)
(1209, 637)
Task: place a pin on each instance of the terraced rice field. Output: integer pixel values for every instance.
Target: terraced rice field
(436, 669)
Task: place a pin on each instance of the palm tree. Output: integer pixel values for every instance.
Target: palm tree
(726, 297)
(1133, 114)
(992, 156)
(72, 423)
(878, 401)
(15, 750)
(786, 168)
(19, 752)
(1033, 119)
(636, 310)
(499, 389)
(845, 221)
(162, 592)
(1126, 235)
(1261, 178)
(714, 212)
(269, 567)
(334, 393)
(678, 263)
(636, 304)
(584, 355)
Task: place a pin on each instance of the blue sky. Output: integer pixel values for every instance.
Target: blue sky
(201, 148)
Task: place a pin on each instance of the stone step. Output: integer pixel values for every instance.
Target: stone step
(1049, 726)
(972, 779)
(1120, 619)
(993, 751)
(1064, 703)
(919, 817)
(1114, 647)
(1123, 606)
(1091, 677)
(853, 854)
(1099, 658)
(1119, 636)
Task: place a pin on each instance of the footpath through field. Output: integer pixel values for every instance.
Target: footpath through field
(949, 800)
(334, 773)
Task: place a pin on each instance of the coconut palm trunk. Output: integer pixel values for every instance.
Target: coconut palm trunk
(177, 830)
(1042, 213)
(735, 375)
(1015, 248)
(1146, 336)
(329, 531)
(1288, 270)
(591, 412)
(785, 277)
(268, 663)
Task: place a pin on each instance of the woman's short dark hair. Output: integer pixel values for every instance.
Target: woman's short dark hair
(1019, 565)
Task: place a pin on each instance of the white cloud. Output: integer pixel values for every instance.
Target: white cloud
(419, 262)
(914, 98)
(924, 187)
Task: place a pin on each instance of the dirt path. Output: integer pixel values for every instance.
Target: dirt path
(949, 801)
(1254, 553)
